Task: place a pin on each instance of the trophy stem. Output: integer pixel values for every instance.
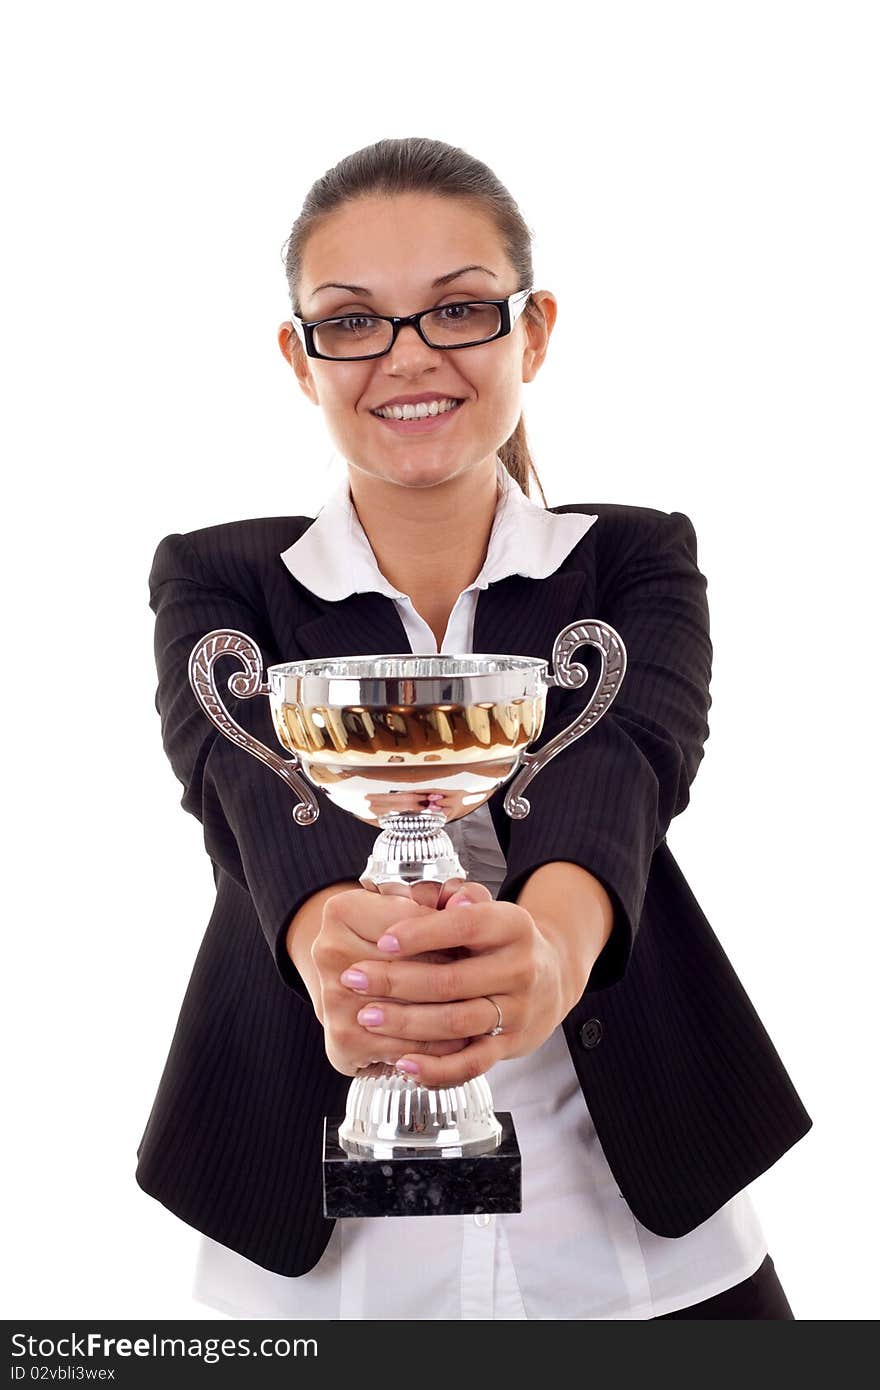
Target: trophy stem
(412, 849)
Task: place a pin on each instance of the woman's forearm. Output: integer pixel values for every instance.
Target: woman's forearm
(573, 910)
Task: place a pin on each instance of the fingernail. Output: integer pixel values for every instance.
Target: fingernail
(462, 901)
(388, 943)
(355, 979)
(404, 1064)
(371, 1016)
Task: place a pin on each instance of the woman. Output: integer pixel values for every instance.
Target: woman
(646, 1093)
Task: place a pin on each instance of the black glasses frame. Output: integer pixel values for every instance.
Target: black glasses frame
(510, 310)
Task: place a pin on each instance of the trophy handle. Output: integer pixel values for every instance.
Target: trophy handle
(570, 676)
(229, 642)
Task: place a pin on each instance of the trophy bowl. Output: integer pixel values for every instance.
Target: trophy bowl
(380, 735)
(408, 742)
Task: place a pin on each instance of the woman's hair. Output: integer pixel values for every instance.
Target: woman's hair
(420, 165)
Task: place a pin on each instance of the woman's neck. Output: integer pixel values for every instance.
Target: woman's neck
(430, 543)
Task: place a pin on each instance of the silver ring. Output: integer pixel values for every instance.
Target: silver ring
(493, 1032)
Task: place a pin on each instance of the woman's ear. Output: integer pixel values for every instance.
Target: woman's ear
(295, 354)
(538, 327)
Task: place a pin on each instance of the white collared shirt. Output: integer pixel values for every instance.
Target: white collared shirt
(575, 1250)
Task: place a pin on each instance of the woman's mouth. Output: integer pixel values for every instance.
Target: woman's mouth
(426, 424)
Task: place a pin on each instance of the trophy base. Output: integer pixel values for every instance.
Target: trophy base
(423, 1185)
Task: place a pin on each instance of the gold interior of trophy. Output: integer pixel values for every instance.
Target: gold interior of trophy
(373, 761)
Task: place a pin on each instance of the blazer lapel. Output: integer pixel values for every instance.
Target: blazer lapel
(515, 616)
(523, 617)
(362, 625)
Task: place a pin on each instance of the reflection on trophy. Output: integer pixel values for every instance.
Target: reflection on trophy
(408, 742)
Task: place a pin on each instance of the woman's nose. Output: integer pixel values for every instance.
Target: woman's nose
(408, 346)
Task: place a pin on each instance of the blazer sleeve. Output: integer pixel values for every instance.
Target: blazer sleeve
(245, 809)
(606, 801)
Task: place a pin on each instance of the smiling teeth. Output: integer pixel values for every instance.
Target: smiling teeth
(417, 412)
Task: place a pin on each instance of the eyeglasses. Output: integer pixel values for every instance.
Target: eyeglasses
(355, 337)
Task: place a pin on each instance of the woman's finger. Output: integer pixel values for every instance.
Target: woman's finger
(387, 1050)
(502, 971)
(477, 891)
(368, 914)
(476, 927)
(453, 1070)
(459, 1019)
(333, 950)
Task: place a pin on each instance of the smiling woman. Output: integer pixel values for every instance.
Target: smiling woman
(583, 979)
(410, 310)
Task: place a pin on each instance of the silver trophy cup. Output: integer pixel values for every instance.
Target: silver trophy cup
(407, 742)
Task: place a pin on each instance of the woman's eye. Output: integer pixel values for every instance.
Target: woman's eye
(355, 322)
(446, 308)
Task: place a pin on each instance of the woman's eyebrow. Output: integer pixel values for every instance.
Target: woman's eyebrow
(441, 280)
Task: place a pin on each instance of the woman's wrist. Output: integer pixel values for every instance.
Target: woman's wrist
(302, 931)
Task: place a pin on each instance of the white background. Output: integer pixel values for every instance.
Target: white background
(702, 183)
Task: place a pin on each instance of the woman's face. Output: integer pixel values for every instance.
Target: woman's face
(396, 247)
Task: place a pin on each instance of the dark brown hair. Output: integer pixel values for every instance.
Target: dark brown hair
(420, 165)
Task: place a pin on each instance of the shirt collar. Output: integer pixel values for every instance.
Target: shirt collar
(334, 559)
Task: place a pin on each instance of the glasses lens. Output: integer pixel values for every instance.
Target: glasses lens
(356, 335)
(458, 325)
(452, 325)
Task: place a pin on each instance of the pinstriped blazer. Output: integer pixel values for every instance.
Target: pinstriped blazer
(689, 1097)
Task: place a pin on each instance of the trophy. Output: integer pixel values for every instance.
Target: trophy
(408, 742)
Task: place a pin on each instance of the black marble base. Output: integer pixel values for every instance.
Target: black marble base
(427, 1185)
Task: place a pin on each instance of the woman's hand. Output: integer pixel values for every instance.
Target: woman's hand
(534, 974)
(352, 922)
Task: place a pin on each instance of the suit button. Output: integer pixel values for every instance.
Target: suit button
(591, 1032)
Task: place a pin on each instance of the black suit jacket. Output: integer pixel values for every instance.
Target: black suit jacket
(688, 1095)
